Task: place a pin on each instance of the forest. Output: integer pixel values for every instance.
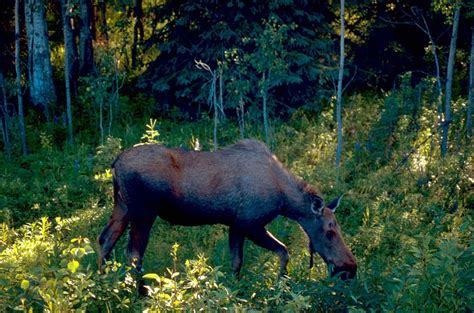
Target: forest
(369, 99)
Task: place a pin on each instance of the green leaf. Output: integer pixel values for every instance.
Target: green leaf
(151, 276)
(24, 284)
(73, 266)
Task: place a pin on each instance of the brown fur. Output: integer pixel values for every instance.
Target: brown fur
(243, 186)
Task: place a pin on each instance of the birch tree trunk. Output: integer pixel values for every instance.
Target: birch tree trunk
(5, 120)
(449, 83)
(339, 92)
(427, 31)
(470, 105)
(21, 118)
(67, 67)
(42, 92)
(86, 53)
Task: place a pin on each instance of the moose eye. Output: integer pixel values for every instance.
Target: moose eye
(330, 234)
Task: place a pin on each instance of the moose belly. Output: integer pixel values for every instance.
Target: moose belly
(190, 212)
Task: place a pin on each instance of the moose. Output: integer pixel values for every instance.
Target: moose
(243, 186)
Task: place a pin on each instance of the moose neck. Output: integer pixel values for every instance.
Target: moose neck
(298, 204)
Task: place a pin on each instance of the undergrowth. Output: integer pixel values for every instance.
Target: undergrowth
(406, 215)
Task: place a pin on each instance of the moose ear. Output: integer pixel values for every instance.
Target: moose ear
(317, 206)
(334, 203)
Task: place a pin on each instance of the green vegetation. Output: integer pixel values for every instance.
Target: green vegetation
(78, 88)
(406, 219)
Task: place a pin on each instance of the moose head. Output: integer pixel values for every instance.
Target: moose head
(325, 238)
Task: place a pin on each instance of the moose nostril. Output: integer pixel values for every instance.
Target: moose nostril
(352, 266)
(348, 271)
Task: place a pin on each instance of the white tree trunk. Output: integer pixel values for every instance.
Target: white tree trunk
(449, 83)
(5, 120)
(21, 117)
(427, 31)
(67, 68)
(42, 92)
(339, 92)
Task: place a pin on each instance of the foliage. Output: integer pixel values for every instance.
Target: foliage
(198, 286)
(151, 134)
(407, 213)
(43, 270)
(407, 220)
(243, 45)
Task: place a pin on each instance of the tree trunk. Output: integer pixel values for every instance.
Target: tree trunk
(214, 105)
(427, 31)
(42, 92)
(103, 29)
(339, 93)
(449, 82)
(471, 91)
(241, 117)
(67, 67)
(86, 58)
(5, 120)
(137, 30)
(265, 113)
(21, 118)
(70, 47)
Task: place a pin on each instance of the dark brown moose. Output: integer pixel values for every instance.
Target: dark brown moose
(243, 186)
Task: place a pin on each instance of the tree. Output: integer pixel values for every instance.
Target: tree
(70, 45)
(419, 20)
(137, 30)
(206, 31)
(217, 107)
(67, 68)
(471, 90)
(339, 90)
(86, 51)
(103, 28)
(5, 120)
(42, 91)
(21, 118)
(449, 82)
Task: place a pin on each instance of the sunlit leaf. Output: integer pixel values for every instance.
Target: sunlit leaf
(73, 266)
(24, 284)
(152, 276)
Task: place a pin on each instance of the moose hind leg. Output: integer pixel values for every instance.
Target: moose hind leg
(110, 234)
(265, 239)
(236, 245)
(137, 242)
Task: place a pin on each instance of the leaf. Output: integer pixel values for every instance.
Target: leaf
(73, 266)
(151, 276)
(24, 284)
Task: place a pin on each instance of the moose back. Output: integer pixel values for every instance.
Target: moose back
(243, 186)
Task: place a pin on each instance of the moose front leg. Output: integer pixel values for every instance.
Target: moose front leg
(265, 239)
(236, 245)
